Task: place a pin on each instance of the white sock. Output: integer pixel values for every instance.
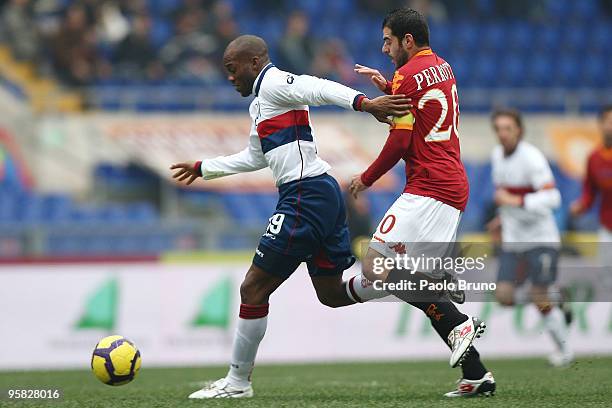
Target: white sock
(521, 296)
(250, 331)
(359, 289)
(554, 321)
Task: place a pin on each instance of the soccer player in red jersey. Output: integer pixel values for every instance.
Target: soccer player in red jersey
(436, 190)
(598, 181)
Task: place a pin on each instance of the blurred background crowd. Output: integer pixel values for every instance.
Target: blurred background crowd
(491, 43)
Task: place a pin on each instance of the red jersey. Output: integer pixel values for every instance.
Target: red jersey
(599, 180)
(427, 138)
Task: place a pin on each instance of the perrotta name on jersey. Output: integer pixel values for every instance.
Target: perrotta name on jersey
(433, 75)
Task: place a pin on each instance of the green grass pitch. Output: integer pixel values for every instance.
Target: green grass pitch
(525, 382)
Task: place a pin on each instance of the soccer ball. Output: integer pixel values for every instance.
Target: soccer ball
(115, 360)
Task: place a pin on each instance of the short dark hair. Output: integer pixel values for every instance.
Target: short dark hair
(404, 21)
(509, 112)
(605, 110)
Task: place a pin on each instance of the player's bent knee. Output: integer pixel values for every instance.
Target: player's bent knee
(329, 300)
(248, 294)
(257, 287)
(331, 295)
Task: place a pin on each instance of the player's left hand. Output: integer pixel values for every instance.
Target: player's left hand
(186, 171)
(357, 186)
(576, 208)
(387, 105)
(504, 197)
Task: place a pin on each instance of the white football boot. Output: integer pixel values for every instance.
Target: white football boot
(472, 388)
(561, 359)
(461, 338)
(222, 389)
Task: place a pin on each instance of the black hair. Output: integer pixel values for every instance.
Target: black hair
(510, 113)
(605, 110)
(404, 21)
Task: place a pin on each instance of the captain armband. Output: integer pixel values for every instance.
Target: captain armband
(403, 122)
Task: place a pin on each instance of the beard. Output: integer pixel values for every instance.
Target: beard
(402, 59)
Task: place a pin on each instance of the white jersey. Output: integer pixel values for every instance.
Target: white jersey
(526, 172)
(281, 133)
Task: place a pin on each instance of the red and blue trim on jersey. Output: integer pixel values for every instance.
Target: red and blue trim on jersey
(284, 129)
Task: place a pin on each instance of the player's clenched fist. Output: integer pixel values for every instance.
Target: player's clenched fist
(186, 171)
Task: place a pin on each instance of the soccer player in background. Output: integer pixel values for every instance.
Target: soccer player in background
(309, 223)
(526, 197)
(598, 181)
(436, 190)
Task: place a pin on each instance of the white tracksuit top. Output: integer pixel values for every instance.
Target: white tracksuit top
(281, 134)
(527, 172)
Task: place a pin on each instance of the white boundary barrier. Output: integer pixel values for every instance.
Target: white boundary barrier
(156, 304)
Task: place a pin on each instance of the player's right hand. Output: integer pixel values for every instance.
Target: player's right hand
(384, 106)
(186, 171)
(375, 76)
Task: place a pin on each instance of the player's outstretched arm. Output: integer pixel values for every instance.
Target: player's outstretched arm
(313, 91)
(249, 159)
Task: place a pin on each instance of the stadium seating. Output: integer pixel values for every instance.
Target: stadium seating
(71, 221)
(485, 52)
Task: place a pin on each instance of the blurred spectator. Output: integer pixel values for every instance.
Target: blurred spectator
(91, 8)
(295, 49)
(188, 54)
(186, 38)
(267, 7)
(380, 7)
(433, 10)
(520, 9)
(19, 30)
(198, 9)
(112, 25)
(134, 7)
(606, 5)
(461, 9)
(331, 61)
(226, 31)
(136, 56)
(75, 57)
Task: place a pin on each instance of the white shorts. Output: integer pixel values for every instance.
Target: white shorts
(414, 219)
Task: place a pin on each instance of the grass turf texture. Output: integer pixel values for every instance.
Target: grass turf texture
(526, 382)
